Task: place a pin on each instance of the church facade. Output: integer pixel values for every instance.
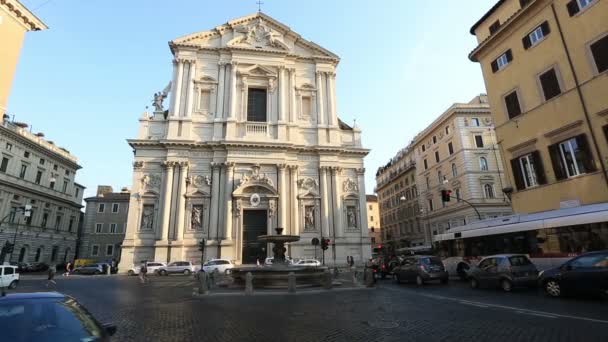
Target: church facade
(250, 141)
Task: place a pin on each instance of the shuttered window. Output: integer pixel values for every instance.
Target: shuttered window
(550, 84)
(494, 27)
(599, 50)
(536, 35)
(502, 61)
(576, 6)
(512, 104)
(256, 105)
(571, 157)
(528, 171)
(450, 148)
(479, 141)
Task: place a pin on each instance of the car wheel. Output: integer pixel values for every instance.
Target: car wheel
(552, 288)
(164, 273)
(474, 283)
(187, 272)
(13, 285)
(97, 273)
(506, 285)
(227, 271)
(419, 280)
(131, 273)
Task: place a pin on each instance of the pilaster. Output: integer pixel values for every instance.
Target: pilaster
(190, 99)
(166, 206)
(215, 200)
(362, 203)
(336, 201)
(294, 209)
(181, 200)
(324, 201)
(178, 87)
(219, 103)
(228, 200)
(282, 197)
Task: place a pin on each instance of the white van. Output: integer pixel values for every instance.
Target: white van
(9, 276)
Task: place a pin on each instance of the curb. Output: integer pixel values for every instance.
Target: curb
(276, 293)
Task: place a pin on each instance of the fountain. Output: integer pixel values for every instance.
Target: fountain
(276, 275)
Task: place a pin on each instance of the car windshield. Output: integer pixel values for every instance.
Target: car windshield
(519, 260)
(46, 320)
(431, 261)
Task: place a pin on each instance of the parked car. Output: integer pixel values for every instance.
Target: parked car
(90, 269)
(182, 267)
(421, 269)
(49, 316)
(217, 265)
(504, 270)
(21, 266)
(307, 262)
(587, 273)
(38, 267)
(9, 276)
(151, 265)
(270, 260)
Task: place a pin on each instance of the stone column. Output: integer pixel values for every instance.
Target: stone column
(190, 100)
(244, 88)
(282, 198)
(219, 111)
(228, 201)
(324, 202)
(336, 199)
(232, 103)
(173, 86)
(181, 200)
(167, 192)
(333, 118)
(362, 202)
(178, 87)
(282, 88)
(215, 200)
(292, 95)
(294, 209)
(320, 102)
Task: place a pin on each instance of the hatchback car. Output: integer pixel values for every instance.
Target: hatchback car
(181, 267)
(48, 316)
(587, 273)
(420, 268)
(89, 269)
(9, 276)
(151, 265)
(217, 265)
(504, 270)
(307, 262)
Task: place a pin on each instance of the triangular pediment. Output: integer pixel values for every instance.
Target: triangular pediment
(258, 70)
(258, 32)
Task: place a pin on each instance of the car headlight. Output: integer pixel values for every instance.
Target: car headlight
(540, 274)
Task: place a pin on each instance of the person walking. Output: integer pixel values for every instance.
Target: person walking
(68, 269)
(51, 275)
(143, 273)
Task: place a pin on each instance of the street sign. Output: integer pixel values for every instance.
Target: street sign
(28, 210)
(315, 241)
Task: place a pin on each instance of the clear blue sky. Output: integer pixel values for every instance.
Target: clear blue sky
(86, 80)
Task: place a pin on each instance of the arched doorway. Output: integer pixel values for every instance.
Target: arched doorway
(22, 254)
(39, 253)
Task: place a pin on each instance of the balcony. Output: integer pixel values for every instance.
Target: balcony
(256, 129)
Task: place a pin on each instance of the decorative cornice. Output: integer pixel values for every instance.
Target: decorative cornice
(23, 15)
(522, 145)
(360, 171)
(138, 165)
(563, 129)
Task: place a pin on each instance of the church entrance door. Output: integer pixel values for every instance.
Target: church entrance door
(254, 225)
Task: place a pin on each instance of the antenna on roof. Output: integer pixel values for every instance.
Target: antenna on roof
(259, 3)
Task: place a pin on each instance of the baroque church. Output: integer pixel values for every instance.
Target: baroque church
(250, 141)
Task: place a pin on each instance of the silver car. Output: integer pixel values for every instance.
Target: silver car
(177, 267)
(504, 270)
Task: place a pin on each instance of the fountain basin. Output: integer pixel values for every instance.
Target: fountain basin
(275, 276)
(278, 238)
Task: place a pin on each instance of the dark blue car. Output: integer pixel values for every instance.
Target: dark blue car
(587, 273)
(48, 316)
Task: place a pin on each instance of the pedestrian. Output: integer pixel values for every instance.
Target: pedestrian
(67, 269)
(143, 273)
(113, 268)
(51, 275)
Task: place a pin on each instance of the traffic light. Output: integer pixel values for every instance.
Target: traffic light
(201, 245)
(324, 244)
(446, 195)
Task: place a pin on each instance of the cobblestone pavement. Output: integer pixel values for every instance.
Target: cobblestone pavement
(165, 310)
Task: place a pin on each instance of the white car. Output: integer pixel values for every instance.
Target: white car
(9, 276)
(152, 266)
(270, 260)
(307, 262)
(217, 265)
(176, 267)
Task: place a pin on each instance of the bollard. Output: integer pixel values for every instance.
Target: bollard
(291, 282)
(327, 280)
(249, 283)
(109, 272)
(369, 277)
(203, 283)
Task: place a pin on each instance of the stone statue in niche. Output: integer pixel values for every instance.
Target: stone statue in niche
(350, 185)
(197, 215)
(309, 217)
(147, 217)
(351, 215)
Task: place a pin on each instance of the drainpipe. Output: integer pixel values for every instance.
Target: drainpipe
(580, 95)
